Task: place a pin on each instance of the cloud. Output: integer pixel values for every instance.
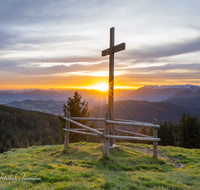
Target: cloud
(31, 69)
(20, 11)
(166, 67)
(49, 11)
(158, 78)
(10, 40)
(49, 38)
(30, 24)
(6, 39)
(68, 59)
(188, 46)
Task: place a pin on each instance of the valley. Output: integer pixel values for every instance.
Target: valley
(162, 102)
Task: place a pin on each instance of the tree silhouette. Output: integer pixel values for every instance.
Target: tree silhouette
(189, 131)
(77, 108)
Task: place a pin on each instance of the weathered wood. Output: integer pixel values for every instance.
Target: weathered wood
(67, 126)
(80, 132)
(155, 144)
(131, 121)
(106, 141)
(80, 129)
(99, 129)
(105, 52)
(87, 119)
(133, 124)
(117, 48)
(84, 126)
(131, 138)
(132, 133)
(110, 51)
(111, 82)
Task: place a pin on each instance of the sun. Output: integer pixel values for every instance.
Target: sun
(101, 87)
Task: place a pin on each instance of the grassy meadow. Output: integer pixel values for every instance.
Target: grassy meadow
(81, 166)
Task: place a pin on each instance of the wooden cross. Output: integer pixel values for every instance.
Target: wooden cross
(110, 51)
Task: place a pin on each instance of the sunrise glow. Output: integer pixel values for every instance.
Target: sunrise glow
(101, 87)
(42, 51)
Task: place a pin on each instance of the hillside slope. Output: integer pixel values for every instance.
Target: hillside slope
(127, 109)
(190, 102)
(185, 94)
(82, 167)
(47, 106)
(159, 93)
(22, 128)
(145, 111)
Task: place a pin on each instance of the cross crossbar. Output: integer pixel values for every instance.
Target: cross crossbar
(115, 49)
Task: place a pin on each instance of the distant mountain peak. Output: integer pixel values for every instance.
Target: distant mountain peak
(156, 93)
(190, 87)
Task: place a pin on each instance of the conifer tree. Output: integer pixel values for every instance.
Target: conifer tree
(77, 108)
(189, 130)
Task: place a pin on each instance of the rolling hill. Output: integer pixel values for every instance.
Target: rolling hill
(185, 94)
(145, 111)
(127, 109)
(22, 128)
(46, 106)
(190, 102)
(82, 167)
(159, 93)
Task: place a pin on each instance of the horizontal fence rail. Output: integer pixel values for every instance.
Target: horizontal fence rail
(79, 129)
(87, 119)
(131, 121)
(84, 126)
(133, 124)
(132, 138)
(106, 135)
(132, 133)
(80, 132)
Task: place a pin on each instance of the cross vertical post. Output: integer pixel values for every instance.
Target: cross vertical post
(111, 83)
(67, 126)
(155, 144)
(110, 51)
(106, 140)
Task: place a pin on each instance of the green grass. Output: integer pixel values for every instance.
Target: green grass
(126, 168)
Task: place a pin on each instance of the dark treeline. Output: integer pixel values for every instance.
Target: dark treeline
(184, 134)
(20, 128)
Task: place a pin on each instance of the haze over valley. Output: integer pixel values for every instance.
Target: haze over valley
(163, 102)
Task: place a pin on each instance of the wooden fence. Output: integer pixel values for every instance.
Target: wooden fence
(106, 131)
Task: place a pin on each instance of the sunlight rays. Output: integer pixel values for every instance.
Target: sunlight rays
(101, 87)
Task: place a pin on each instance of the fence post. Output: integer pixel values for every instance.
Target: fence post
(67, 126)
(106, 140)
(155, 144)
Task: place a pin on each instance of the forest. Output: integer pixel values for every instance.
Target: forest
(20, 128)
(184, 134)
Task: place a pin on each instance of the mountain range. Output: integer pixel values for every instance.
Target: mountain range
(96, 97)
(163, 102)
(128, 109)
(161, 93)
(145, 111)
(191, 102)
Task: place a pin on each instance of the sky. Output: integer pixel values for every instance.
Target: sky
(58, 43)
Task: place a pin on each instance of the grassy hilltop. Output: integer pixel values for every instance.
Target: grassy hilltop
(81, 166)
